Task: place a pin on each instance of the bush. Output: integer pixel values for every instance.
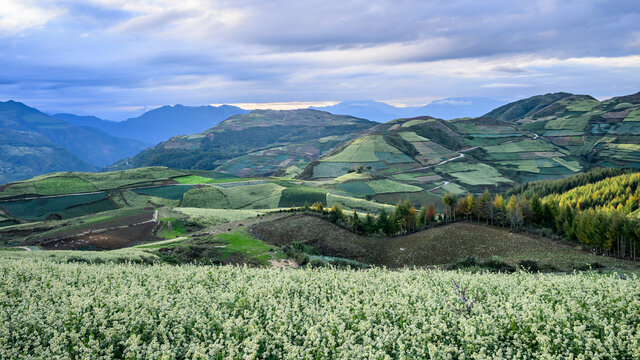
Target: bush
(529, 265)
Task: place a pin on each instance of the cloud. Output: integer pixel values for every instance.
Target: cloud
(503, 85)
(111, 55)
(17, 16)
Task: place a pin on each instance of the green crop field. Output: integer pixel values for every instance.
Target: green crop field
(59, 185)
(171, 192)
(261, 196)
(38, 209)
(205, 197)
(363, 150)
(355, 188)
(360, 205)
(410, 136)
(389, 186)
(134, 311)
(520, 146)
(299, 195)
(210, 217)
(411, 123)
(634, 115)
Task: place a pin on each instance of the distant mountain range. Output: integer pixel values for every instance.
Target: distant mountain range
(34, 143)
(444, 109)
(160, 124)
(543, 136)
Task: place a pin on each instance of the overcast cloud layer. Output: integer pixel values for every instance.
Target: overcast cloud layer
(113, 58)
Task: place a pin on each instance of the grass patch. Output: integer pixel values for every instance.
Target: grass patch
(196, 179)
(205, 197)
(60, 185)
(300, 195)
(360, 205)
(569, 164)
(389, 186)
(171, 228)
(520, 146)
(363, 149)
(211, 217)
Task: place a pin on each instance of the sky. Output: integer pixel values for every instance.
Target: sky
(117, 58)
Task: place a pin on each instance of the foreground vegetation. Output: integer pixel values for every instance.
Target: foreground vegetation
(133, 311)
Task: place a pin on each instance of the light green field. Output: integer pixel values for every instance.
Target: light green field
(585, 105)
(384, 186)
(454, 189)
(353, 177)
(63, 185)
(205, 197)
(360, 205)
(569, 164)
(474, 174)
(416, 122)
(210, 217)
(410, 136)
(363, 150)
(634, 115)
(520, 146)
(405, 177)
(261, 196)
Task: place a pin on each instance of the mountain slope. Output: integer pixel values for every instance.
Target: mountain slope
(27, 154)
(605, 133)
(259, 143)
(91, 145)
(423, 158)
(160, 124)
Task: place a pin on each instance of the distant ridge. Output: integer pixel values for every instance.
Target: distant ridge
(160, 124)
(450, 108)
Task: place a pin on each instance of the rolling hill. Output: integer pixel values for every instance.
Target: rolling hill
(89, 144)
(543, 137)
(605, 133)
(160, 124)
(262, 142)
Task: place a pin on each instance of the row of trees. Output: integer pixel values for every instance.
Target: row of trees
(610, 232)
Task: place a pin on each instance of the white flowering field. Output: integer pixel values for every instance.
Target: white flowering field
(60, 311)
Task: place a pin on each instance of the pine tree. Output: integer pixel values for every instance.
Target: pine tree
(356, 225)
(421, 218)
(369, 224)
(536, 209)
(498, 205)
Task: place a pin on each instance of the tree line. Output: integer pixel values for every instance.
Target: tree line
(605, 230)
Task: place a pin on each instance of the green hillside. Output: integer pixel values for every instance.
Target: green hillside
(263, 142)
(605, 133)
(27, 154)
(540, 138)
(424, 158)
(91, 145)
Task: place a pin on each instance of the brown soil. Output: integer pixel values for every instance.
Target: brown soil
(106, 240)
(437, 246)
